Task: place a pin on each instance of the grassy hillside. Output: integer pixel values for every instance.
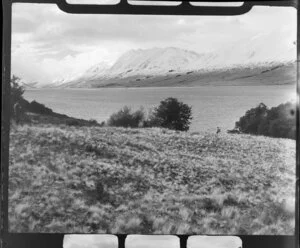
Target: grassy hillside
(103, 179)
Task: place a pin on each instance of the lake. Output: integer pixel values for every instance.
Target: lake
(212, 106)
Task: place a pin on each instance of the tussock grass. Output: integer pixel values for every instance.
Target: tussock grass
(103, 179)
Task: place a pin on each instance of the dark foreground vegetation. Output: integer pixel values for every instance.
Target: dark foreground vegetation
(171, 114)
(278, 122)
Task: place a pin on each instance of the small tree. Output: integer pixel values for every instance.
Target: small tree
(249, 123)
(282, 121)
(172, 114)
(17, 102)
(126, 118)
(279, 122)
(16, 90)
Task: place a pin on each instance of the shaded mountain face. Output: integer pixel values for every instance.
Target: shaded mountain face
(142, 67)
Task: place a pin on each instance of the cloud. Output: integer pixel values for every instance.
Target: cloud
(48, 44)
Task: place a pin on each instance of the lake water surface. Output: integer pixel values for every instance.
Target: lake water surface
(212, 106)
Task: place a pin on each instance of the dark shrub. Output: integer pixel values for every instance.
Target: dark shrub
(16, 90)
(282, 128)
(249, 123)
(17, 102)
(126, 118)
(279, 122)
(93, 122)
(39, 108)
(282, 121)
(171, 114)
(72, 122)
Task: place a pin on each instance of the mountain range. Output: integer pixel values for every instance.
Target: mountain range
(250, 62)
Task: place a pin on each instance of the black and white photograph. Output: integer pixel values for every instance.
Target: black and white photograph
(152, 124)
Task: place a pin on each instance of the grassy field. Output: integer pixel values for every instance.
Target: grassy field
(116, 180)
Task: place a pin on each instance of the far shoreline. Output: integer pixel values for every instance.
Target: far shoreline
(160, 87)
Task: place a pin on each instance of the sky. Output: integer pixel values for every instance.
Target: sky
(90, 241)
(48, 44)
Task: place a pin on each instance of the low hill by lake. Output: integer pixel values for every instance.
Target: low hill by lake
(103, 179)
(266, 74)
(177, 67)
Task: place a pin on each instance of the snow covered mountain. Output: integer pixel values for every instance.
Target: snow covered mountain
(141, 65)
(61, 81)
(155, 61)
(95, 71)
